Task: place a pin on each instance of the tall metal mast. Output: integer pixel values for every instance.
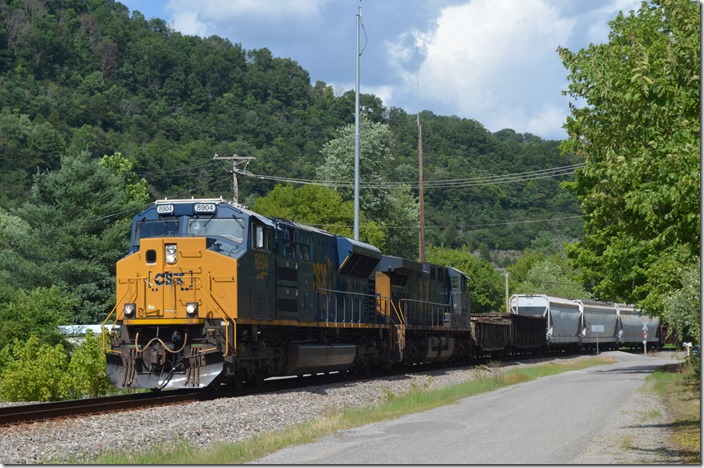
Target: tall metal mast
(356, 133)
(421, 232)
(421, 196)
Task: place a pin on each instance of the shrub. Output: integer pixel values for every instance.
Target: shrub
(34, 372)
(86, 371)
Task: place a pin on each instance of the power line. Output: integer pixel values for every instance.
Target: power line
(446, 183)
(473, 227)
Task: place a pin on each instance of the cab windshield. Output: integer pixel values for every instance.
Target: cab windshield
(159, 228)
(232, 229)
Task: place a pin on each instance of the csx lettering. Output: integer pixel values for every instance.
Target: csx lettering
(260, 262)
(168, 278)
(320, 272)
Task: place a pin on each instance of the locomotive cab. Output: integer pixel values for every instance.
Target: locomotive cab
(173, 323)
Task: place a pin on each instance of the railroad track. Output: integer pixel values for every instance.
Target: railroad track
(62, 409)
(20, 414)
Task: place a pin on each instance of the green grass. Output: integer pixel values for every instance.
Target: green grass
(680, 387)
(419, 398)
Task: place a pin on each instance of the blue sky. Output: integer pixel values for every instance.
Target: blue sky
(494, 61)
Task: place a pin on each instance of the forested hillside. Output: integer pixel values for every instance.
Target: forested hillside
(89, 75)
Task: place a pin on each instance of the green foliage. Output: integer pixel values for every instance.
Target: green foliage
(682, 306)
(135, 189)
(86, 371)
(544, 269)
(34, 371)
(320, 207)
(500, 215)
(78, 226)
(486, 285)
(639, 136)
(549, 276)
(395, 210)
(37, 313)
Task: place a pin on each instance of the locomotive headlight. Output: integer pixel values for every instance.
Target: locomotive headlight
(192, 309)
(129, 309)
(170, 253)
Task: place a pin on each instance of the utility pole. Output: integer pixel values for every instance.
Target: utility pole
(235, 161)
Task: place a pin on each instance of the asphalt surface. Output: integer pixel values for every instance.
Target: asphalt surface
(549, 420)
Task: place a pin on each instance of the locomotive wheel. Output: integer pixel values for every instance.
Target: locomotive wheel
(238, 381)
(259, 378)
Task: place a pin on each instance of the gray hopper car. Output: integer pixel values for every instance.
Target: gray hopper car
(564, 326)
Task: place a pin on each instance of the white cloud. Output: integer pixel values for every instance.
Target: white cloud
(188, 22)
(216, 16)
(483, 57)
(546, 120)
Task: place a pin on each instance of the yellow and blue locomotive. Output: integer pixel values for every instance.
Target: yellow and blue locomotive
(213, 293)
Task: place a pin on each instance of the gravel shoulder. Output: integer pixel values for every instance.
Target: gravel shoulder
(635, 435)
(638, 434)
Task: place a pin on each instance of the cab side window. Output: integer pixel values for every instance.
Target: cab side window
(261, 237)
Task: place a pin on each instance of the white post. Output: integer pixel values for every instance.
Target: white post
(597, 343)
(356, 133)
(508, 307)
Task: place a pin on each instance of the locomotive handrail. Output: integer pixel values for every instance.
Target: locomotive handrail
(344, 311)
(423, 311)
(113, 311)
(226, 318)
(401, 322)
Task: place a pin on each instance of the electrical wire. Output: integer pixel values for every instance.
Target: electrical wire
(446, 183)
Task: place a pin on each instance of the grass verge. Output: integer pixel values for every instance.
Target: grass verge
(419, 398)
(680, 387)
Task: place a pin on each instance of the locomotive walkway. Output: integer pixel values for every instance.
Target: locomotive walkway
(561, 419)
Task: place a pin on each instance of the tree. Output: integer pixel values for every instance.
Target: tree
(682, 306)
(550, 276)
(78, 218)
(396, 210)
(317, 206)
(38, 313)
(639, 136)
(486, 285)
(31, 370)
(543, 268)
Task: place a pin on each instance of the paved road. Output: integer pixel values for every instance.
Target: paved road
(549, 420)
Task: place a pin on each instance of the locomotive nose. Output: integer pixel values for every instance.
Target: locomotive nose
(127, 371)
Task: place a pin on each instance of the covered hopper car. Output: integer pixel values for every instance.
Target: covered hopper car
(637, 327)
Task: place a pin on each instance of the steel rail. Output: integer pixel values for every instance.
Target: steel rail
(59, 409)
